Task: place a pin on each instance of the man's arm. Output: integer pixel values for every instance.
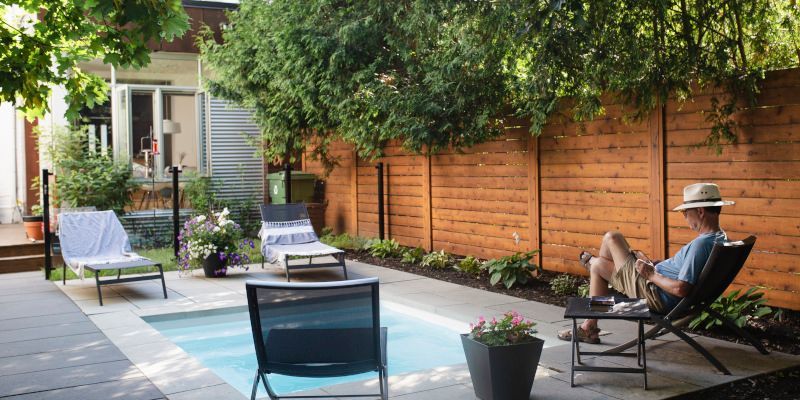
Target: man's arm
(672, 286)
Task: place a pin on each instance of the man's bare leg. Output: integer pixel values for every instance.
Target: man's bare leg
(614, 251)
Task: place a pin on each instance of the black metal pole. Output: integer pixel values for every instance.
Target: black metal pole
(48, 259)
(287, 181)
(379, 167)
(176, 204)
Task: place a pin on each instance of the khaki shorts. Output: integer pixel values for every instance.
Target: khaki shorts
(626, 280)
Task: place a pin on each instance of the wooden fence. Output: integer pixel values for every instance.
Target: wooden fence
(561, 191)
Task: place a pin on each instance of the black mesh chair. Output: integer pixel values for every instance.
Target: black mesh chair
(296, 212)
(317, 330)
(724, 263)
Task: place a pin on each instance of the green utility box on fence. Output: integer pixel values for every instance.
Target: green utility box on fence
(302, 187)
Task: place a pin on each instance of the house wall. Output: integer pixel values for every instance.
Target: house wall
(560, 191)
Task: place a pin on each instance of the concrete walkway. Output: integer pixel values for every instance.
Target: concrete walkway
(673, 367)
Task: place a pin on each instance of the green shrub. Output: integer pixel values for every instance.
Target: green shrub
(341, 241)
(198, 191)
(384, 248)
(413, 256)
(583, 290)
(470, 265)
(738, 309)
(512, 269)
(436, 260)
(564, 285)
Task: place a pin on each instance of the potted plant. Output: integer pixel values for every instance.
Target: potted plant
(213, 241)
(33, 223)
(502, 356)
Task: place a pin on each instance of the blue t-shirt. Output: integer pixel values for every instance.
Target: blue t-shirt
(687, 263)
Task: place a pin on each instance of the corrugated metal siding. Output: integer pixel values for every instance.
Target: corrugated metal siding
(152, 228)
(203, 139)
(238, 175)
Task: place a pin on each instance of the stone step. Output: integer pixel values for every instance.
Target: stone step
(25, 263)
(18, 250)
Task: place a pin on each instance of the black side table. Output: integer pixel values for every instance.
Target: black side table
(628, 309)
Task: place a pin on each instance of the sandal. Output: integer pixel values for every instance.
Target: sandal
(591, 337)
(584, 258)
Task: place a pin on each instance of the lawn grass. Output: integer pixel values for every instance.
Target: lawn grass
(163, 255)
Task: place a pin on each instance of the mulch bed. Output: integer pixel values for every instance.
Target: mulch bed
(776, 335)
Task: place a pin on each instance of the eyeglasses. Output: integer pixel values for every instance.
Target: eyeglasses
(686, 211)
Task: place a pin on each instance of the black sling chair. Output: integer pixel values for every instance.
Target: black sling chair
(317, 330)
(724, 263)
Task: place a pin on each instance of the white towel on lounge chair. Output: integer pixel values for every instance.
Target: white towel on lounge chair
(93, 238)
(294, 238)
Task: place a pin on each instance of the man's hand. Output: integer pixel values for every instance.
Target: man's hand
(645, 268)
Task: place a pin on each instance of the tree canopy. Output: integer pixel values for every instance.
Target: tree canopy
(436, 73)
(42, 42)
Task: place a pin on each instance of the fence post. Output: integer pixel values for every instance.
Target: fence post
(48, 258)
(379, 167)
(657, 129)
(175, 169)
(534, 199)
(427, 214)
(287, 182)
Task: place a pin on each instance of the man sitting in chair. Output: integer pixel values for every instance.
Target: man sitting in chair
(662, 285)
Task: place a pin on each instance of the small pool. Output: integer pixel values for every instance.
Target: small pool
(223, 342)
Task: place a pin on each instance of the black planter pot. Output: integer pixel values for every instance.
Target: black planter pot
(502, 372)
(32, 218)
(213, 267)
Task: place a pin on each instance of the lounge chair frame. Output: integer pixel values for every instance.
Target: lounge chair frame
(722, 266)
(334, 362)
(294, 212)
(97, 268)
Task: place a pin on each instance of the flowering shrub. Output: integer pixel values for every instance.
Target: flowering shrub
(510, 329)
(205, 235)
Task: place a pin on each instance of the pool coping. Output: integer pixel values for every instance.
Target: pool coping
(179, 375)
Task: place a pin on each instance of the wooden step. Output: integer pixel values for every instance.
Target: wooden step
(25, 263)
(18, 250)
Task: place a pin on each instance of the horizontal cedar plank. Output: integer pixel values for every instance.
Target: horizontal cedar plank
(737, 153)
(407, 241)
(584, 240)
(624, 200)
(392, 199)
(637, 139)
(610, 170)
(391, 180)
(743, 188)
(771, 279)
(561, 265)
(781, 78)
(398, 190)
(756, 225)
(393, 229)
(480, 194)
(413, 211)
(480, 158)
(600, 126)
(465, 250)
(405, 220)
(480, 229)
(395, 170)
(593, 156)
(595, 213)
(775, 298)
(640, 185)
(771, 115)
(479, 182)
(773, 243)
(339, 179)
(518, 221)
(479, 170)
(773, 261)
(568, 253)
(505, 146)
(504, 207)
(476, 240)
(629, 229)
(391, 162)
(735, 169)
(745, 134)
(751, 206)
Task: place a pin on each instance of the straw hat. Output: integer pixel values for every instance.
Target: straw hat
(701, 195)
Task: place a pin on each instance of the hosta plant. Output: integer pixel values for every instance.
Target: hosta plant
(412, 256)
(564, 285)
(384, 248)
(436, 260)
(470, 265)
(513, 269)
(738, 309)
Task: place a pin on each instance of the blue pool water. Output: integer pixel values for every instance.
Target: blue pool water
(224, 344)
